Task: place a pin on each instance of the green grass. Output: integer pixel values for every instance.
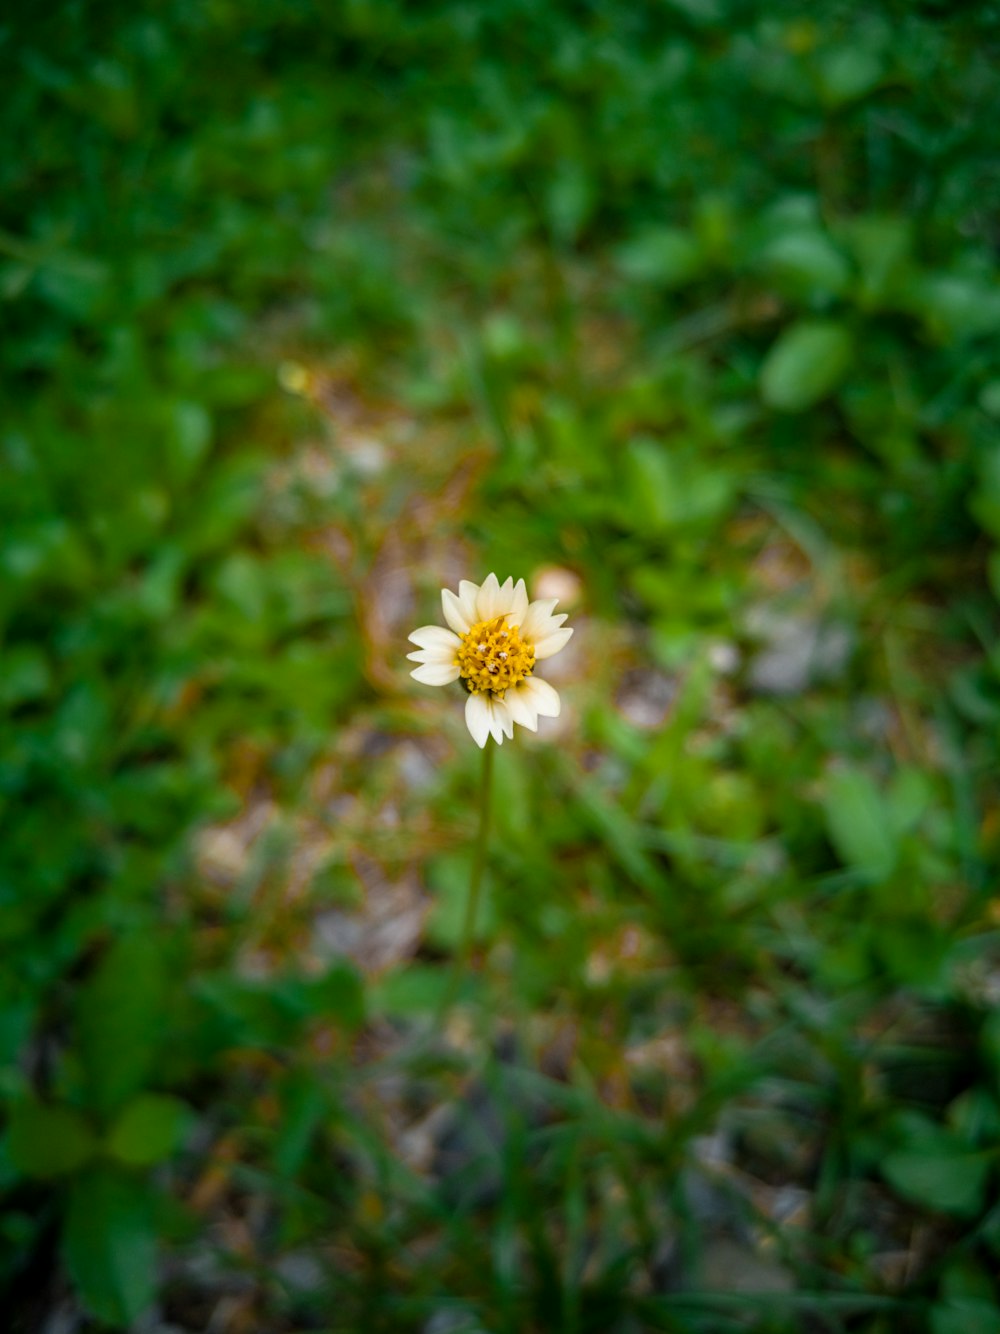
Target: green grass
(311, 311)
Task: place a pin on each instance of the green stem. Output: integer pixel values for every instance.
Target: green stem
(479, 860)
(478, 866)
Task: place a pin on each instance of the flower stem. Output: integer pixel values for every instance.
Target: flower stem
(479, 860)
(475, 882)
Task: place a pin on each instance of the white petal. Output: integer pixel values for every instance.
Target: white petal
(544, 699)
(552, 644)
(467, 594)
(501, 723)
(519, 603)
(542, 629)
(436, 673)
(429, 635)
(477, 719)
(454, 612)
(436, 653)
(488, 603)
(505, 598)
(536, 618)
(521, 707)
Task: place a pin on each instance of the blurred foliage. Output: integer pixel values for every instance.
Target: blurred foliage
(698, 300)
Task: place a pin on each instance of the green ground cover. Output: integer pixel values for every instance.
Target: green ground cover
(686, 311)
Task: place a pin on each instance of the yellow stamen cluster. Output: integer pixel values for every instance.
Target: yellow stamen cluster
(494, 657)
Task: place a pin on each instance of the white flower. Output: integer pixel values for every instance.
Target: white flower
(496, 638)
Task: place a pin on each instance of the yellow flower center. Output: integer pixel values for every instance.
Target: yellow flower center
(494, 657)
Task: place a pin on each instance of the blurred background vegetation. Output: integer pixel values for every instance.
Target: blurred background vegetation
(687, 311)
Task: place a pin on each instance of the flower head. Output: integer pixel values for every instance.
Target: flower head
(496, 639)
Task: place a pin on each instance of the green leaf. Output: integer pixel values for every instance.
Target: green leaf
(956, 307)
(110, 1245)
(882, 245)
(570, 199)
(993, 568)
(717, 228)
(46, 1141)
(663, 490)
(652, 500)
(848, 73)
(188, 437)
(159, 589)
(24, 676)
(339, 994)
(304, 1107)
(966, 1281)
(858, 823)
(909, 797)
(663, 257)
(939, 1177)
(985, 500)
(806, 364)
(965, 1315)
(975, 1118)
(120, 1018)
(411, 990)
(989, 1038)
(807, 263)
(148, 1129)
(241, 580)
(914, 954)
